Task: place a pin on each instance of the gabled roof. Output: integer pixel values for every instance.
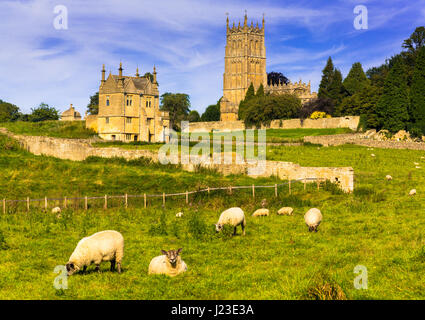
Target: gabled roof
(139, 83)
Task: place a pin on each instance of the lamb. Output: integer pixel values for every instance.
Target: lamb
(388, 177)
(412, 192)
(287, 211)
(102, 246)
(56, 210)
(233, 216)
(313, 218)
(261, 212)
(179, 214)
(170, 263)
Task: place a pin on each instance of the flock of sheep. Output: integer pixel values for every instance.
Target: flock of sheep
(109, 245)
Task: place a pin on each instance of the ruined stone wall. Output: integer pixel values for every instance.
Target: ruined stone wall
(351, 122)
(78, 150)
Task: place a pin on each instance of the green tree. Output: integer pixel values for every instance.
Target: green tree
(417, 93)
(194, 116)
(212, 113)
(327, 76)
(43, 112)
(260, 91)
(261, 110)
(243, 105)
(363, 103)
(356, 79)
(276, 78)
(336, 90)
(178, 105)
(8, 112)
(393, 106)
(93, 106)
(148, 75)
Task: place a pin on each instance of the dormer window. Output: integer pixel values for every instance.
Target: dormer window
(107, 101)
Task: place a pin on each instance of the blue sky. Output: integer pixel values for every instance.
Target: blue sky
(185, 39)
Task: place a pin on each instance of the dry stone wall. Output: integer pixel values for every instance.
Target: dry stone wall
(78, 150)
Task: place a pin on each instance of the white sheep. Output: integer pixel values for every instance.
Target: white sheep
(233, 216)
(388, 177)
(313, 218)
(170, 263)
(412, 192)
(56, 210)
(261, 212)
(286, 211)
(102, 246)
(179, 214)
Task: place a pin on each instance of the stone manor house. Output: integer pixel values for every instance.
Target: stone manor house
(245, 62)
(129, 109)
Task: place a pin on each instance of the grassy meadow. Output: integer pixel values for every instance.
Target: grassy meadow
(378, 226)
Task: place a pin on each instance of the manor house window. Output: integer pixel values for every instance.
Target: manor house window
(128, 136)
(128, 120)
(107, 101)
(129, 100)
(107, 120)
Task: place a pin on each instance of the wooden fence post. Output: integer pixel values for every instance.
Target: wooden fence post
(230, 190)
(289, 184)
(106, 202)
(144, 199)
(208, 190)
(86, 205)
(65, 203)
(275, 190)
(318, 183)
(163, 199)
(28, 204)
(305, 183)
(187, 197)
(126, 200)
(253, 191)
(45, 203)
(4, 206)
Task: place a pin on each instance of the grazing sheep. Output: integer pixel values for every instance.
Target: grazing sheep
(56, 210)
(372, 155)
(418, 167)
(170, 263)
(233, 216)
(412, 192)
(287, 211)
(388, 177)
(415, 163)
(313, 218)
(102, 246)
(261, 212)
(179, 214)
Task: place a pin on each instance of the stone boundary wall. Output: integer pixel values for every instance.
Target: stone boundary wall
(351, 122)
(79, 149)
(356, 138)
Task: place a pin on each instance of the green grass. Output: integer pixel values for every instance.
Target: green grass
(58, 129)
(378, 226)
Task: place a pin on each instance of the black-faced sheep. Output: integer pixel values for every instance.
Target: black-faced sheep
(102, 246)
(313, 218)
(234, 217)
(170, 263)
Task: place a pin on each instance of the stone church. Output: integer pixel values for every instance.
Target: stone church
(245, 62)
(129, 109)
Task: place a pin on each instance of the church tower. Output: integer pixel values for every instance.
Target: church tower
(244, 63)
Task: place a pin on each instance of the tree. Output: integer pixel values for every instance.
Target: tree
(261, 110)
(243, 105)
(393, 106)
(417, 92)
(415, 41)
(194, 116)
(362, 103)
(212, 113)
(178, 105)
(8, 112)
(327, 76)
(356, 79)
(260, 91)
(336, 90)
(149, 75)
(43, 112)
(93, 106)
(276, 78)
(377, 75)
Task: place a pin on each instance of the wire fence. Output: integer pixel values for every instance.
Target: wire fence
(113, 201)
